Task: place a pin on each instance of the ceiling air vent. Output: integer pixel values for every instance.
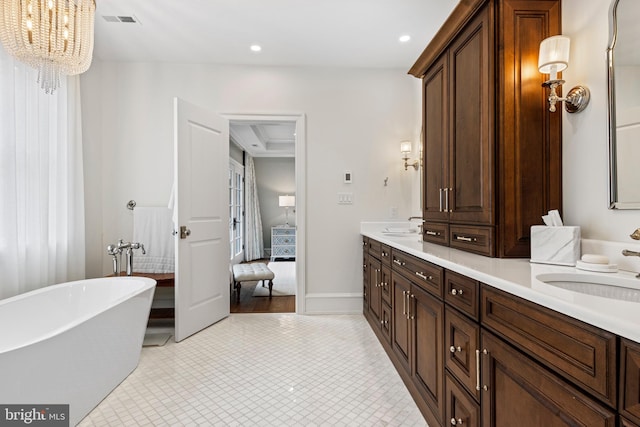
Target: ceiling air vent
(125, 19)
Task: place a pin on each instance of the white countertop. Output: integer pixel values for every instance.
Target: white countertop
(518, 277)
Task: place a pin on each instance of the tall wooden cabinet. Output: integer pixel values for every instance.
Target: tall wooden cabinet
(492, 151)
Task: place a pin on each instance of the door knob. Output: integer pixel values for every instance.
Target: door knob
(184, 232)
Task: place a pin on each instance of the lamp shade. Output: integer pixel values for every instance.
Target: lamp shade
(405, 147)
(554, 54)
(286, 201)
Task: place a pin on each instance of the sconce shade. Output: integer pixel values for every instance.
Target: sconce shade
(554, 55)
(405, 147)
(286, 201)
(53, 36)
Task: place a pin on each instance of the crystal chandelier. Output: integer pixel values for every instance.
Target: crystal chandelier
(53, 36)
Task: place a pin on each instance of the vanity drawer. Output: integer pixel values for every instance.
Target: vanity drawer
(472, 239)
(428, 276)
(380, 251)
(435, 232)
(463, 293)
(575, 350)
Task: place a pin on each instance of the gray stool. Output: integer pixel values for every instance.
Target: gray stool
(251, 272)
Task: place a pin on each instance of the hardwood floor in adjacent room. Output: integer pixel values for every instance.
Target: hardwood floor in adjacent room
(250, 304)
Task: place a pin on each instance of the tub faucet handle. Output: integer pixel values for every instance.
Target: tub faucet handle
(636, 234)
(138, 245)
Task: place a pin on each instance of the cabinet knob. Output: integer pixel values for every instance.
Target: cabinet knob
(456, 422)
(453, 349)
(456, 291)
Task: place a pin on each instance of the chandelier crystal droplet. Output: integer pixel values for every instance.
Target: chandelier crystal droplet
(53, 36)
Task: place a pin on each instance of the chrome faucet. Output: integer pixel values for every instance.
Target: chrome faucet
(635, 236)
(116, 252)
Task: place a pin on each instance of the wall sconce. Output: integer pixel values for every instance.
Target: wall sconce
(286, 202)
(405, 149)
(552, 59)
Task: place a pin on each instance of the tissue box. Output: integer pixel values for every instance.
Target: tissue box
(555, 245)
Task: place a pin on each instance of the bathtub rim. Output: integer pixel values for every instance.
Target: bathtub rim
(147, 284)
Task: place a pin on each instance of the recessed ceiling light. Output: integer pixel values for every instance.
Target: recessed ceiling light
(255, 48)
(404, 38)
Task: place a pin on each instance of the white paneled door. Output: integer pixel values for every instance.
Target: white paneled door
(201, 147)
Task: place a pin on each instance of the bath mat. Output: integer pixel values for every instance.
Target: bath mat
(155, 339)
(283, 284)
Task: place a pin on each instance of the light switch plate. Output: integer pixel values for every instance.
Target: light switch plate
(345, 198)
(348, 177)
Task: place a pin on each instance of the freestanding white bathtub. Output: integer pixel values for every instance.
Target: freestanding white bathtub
(72, 343)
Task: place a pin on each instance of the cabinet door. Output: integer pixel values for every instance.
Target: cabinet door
(401, 291)
(630, 380)
(461, 340)
(471, 133)
(461, 409)
(435, 125)
(530, 139)
(427, 317)
(365, 277)
(521, 392)
(375, 276)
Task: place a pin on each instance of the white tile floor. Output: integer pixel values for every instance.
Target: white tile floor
(264, 370)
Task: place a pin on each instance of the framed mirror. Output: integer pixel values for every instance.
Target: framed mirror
(623, 57)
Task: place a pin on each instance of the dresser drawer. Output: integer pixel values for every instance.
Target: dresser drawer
(463, 293)
(428, 276)
(577, 351)
(284, 231)
(287, 240)
(472, 239)
(283, 251)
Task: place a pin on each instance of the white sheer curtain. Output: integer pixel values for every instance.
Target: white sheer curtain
(41, 181)
(254, 245)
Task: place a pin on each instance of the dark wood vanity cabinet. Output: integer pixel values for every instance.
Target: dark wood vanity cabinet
(473, 355)
(492, 151)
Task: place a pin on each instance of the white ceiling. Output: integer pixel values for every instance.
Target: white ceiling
(264, 138)
(308, 33)
(334, 33)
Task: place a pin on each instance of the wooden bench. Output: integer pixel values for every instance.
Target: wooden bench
(251, 272)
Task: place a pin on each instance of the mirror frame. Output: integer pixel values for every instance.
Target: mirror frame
(614, 203)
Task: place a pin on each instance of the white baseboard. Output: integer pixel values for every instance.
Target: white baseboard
(337, 303)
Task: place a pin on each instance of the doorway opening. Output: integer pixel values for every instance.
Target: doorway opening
(270, 149)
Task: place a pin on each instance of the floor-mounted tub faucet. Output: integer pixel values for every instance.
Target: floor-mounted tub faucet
(116, 252)
(130, 249)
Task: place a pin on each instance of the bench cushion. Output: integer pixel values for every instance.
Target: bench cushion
(255, 271)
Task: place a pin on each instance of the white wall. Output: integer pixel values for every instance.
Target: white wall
(275, 177)
(585, 141)
(355, 119)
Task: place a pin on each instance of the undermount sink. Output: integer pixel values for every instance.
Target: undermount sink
(601, 285)
(399, 231)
